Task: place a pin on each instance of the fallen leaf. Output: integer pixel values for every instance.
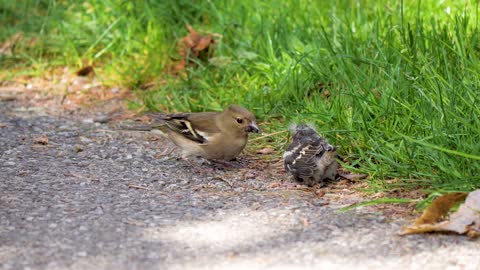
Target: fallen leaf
(85, 71)
(203, 43)
(464, 221)
(43, 140)
(195, 46)
(326, 93)
(440, 208)
(274, 185)
(143, 118)
(2, 125)
(377, 93)
(148, 85)
(320, 192)
(320, 88)
(265, 151)
(7, 97)
(7, 47)
(196, 41)
(180, 66)
(353, 176)
(305, 222)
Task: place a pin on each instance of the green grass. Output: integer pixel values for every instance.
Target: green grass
(403, 78)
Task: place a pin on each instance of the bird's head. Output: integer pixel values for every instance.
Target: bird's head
(239, 119)
(303, 131)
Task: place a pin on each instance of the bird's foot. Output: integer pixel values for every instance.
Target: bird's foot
(196, 161)
(222, 164)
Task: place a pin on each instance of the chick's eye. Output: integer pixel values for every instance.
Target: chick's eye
(239, 120)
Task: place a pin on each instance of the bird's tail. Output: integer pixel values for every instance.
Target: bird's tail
(140, 127)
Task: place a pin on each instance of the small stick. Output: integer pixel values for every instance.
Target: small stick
(137, 187)
(268, 135)
(223, 180)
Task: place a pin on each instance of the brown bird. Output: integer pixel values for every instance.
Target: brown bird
(210, 135)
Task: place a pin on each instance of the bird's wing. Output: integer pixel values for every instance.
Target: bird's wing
(300, 157)
(197, 127)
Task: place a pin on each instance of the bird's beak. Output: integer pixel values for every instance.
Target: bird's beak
(253, 128)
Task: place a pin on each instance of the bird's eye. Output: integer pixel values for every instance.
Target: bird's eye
(239, 120)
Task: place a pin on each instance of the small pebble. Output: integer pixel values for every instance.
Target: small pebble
(82, 254)
(102, 119)
(87, 121)
(85, 140)
(78, 148)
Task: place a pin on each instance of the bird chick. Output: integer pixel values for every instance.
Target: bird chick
(310, 158)
(210, 135)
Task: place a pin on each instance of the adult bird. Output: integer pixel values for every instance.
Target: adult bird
(210, 135)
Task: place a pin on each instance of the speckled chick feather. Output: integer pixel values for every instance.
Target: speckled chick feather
(310, 158)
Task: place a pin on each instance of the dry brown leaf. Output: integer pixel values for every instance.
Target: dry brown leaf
(7, 47)
(440, 208)
(195, 46)
(43, 140)
(7, 97)
(2, 125)
(305, 222)
(143, 118)
(320, 192)
(203, 43)
(265, 151)
(196, 41)
(192, 39)
(377, 93)
(182, 64)
(85, 71)
(326, 93)
(148, 85)
(353, 176)
(465, 221)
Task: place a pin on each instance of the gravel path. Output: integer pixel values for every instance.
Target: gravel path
(95, 198)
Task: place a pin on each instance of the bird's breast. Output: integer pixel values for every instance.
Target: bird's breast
(224, 147)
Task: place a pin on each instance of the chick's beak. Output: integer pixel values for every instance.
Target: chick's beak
(253, 128)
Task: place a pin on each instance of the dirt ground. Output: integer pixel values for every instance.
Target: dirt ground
(76, 193)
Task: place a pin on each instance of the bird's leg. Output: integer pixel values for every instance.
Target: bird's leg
(288, 184)
(225, 164)
(196, 161)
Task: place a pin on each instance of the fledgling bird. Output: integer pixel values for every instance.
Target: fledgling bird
(210, 135)
(310, 158)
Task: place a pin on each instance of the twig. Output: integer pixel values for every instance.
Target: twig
(268, 135)
(167, 151)
(76, 175)
(137, 187)
(224, 180)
